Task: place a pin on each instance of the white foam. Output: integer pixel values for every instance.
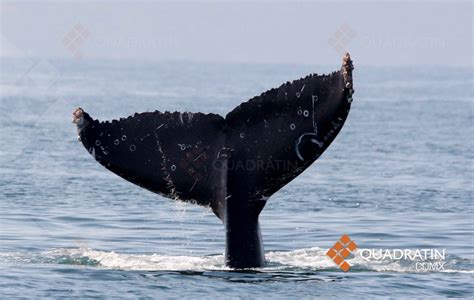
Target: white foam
(314, 259)
(152, 262)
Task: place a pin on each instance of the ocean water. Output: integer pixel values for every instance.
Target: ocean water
(398, 176)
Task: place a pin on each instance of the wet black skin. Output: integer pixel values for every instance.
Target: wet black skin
(232, 164)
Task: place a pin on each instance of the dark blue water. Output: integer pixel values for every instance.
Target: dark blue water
(399, 175)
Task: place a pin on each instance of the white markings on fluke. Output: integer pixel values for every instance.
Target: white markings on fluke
(198, 156)
(192, 187)
(144, 137)
(298, 94)
(312, 140)
(224, 154)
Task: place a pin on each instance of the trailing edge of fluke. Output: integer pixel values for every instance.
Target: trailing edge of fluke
(231, 164)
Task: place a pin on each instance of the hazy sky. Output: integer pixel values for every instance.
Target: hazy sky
(375, 32)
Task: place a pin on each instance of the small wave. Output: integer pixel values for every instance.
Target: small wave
(308, 259)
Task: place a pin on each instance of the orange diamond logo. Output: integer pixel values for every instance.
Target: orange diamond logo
(341, 250)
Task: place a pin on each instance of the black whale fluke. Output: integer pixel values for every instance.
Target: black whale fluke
(232, 164)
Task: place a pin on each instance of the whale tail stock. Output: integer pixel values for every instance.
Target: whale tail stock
(232, 164)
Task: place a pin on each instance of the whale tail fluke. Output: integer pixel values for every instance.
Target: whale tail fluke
(232, 164)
